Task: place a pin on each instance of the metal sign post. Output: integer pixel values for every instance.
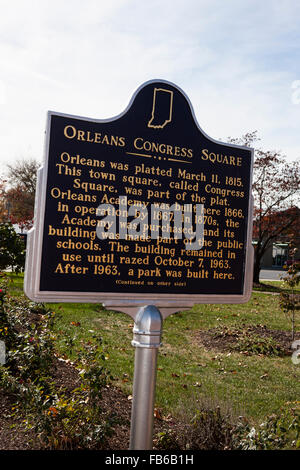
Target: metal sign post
(146, 339)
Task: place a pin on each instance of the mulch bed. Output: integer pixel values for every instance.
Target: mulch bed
(213, 339)
(13, 436)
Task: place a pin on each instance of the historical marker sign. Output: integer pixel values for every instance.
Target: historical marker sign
(141, 209)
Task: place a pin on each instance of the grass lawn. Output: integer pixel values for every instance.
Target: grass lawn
(250, 385)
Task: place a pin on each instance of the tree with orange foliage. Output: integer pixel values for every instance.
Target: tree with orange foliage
(20, 195)
(3, 202)
(276, 188)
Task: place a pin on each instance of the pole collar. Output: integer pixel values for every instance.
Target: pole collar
(147, 328)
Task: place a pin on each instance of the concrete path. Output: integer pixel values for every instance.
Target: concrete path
(271, 274)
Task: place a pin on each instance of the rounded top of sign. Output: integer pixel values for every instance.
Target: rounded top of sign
(163, 110)
(165, 115)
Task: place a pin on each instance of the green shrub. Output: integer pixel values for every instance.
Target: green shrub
(12, 248)
(290, 301)
(278, 431)
(208, 428)
(256, 344)
(60, 419)
(211, 429)
(243, 339)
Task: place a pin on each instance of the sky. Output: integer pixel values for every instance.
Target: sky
(237, 61)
